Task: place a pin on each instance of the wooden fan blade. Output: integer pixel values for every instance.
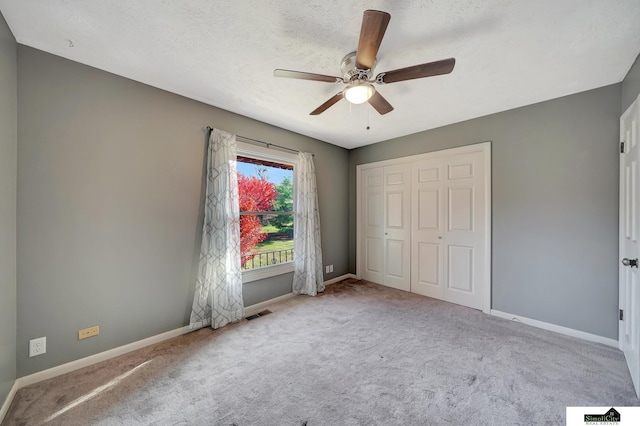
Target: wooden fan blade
(429, 69)
(380, 104)
(325, 106)
(306, 76)
(374, 24)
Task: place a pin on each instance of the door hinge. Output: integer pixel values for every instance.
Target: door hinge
(622, 147)
(621, 315)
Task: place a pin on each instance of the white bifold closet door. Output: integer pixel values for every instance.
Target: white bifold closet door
(448, 232)
(386, 195)
(424, 225)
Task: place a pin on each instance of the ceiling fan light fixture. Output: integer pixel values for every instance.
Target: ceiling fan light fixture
(359, 93)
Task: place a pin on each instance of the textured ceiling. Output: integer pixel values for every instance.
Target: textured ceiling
(223, 53)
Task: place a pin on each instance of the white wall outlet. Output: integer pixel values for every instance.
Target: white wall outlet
(328, 269)
(37, 346)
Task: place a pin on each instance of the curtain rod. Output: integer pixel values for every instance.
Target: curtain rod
(267, 144)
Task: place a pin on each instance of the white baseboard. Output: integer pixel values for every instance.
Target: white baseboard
(85, 362)
(121, 350)
(8, 400)
(254, 309)
(338, 279)
(99, 357)
(557, 329)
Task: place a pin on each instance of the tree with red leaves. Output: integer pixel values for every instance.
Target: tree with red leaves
(256, 195)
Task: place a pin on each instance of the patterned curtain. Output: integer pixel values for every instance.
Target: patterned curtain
(218, 298)
(307, 254)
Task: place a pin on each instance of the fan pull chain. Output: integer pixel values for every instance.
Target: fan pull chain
(368, 116)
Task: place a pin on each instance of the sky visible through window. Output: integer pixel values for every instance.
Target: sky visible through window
(275, 175)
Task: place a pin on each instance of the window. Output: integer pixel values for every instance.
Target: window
(265, 187)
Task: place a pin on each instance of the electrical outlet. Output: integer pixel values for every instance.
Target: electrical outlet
(37, 346)
(88, 332)
(329, 269)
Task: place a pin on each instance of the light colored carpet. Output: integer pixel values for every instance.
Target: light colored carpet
(360, 354)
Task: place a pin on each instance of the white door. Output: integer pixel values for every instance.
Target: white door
(629, 277)
(397, 227)
(427, 257)
(386, 226)
(372, 240)
(448, 229)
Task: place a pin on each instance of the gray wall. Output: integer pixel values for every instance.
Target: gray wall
(109, 201)
(555, 205)
(631, 85)
(8, 163)
(110, 190)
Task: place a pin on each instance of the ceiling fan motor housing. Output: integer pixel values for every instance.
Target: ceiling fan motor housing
(349, 70)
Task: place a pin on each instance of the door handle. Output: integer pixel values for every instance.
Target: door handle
(630, 262)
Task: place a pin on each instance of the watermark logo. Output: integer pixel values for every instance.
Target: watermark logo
(590, 416)
(610, 417)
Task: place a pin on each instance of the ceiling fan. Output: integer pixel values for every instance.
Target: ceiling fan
(357, 68)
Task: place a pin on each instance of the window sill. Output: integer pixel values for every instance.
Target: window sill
(266, 272)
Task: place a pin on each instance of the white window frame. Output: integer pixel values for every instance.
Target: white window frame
(276, 155)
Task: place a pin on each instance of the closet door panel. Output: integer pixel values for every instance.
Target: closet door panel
(429, 259)
(464, 236)
(373, 226)
(460, 272)
(460, 208)
(427, 228)
(397, 230)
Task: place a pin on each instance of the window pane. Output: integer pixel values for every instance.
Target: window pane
(266, 240)
(265, 186)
